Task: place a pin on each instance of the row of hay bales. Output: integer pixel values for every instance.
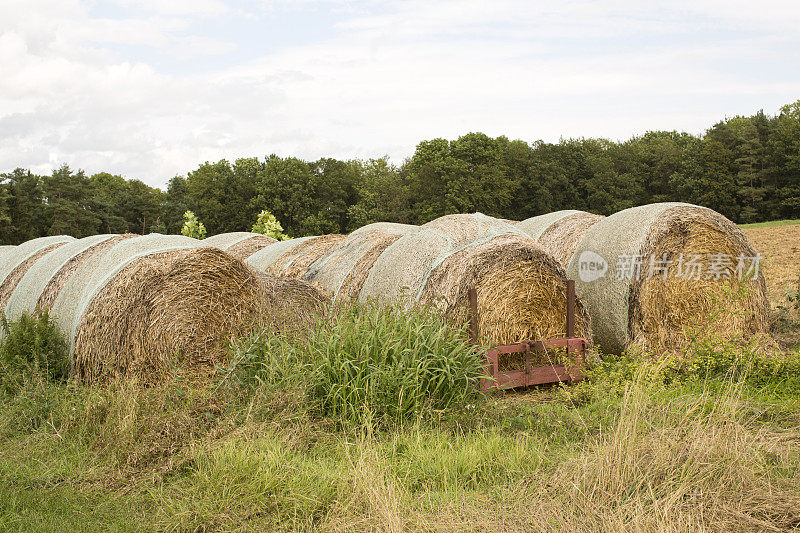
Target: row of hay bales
(521, 288)
(139, 306)
(520, 268)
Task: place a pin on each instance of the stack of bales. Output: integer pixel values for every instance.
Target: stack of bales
(239, 244)
(521, 288)
(140, 306)
(632, 272)
(292, 258)
(560, 232)
(343, 269)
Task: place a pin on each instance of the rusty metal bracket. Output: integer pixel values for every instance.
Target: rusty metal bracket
(539, 375)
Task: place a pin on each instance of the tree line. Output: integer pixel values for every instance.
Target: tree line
(747, 168)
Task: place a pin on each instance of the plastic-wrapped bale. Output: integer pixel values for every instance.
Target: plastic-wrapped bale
(15, 263)
(652, 275)
(560, 232)
(342, 271)
(292, 258)
(521, 288)
(157, 302)
(43, 281)
(240, 244)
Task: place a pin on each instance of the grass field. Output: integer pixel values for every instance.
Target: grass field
(365, 425)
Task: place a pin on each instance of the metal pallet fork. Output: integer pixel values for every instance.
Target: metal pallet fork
(532, 375)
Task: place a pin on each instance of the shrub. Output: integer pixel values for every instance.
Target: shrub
(32, 349)
(267, 224)
(192, 227)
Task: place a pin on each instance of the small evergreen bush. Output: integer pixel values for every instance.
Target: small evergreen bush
(32, 350)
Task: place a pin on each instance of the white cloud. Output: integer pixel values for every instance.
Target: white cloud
(86, 89)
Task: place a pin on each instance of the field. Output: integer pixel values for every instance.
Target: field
(779, 244)
(295, 435)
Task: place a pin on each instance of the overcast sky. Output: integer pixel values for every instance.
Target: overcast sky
(151, 88)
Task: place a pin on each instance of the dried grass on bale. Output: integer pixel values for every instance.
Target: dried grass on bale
(26, 257)
(179, 308)
(240, 244)
(295, 259)
(521, 288)
(660, 314)
(341, 271)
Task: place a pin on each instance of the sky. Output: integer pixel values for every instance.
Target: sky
(149, 89)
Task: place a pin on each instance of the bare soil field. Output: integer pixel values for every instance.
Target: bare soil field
(780, 248)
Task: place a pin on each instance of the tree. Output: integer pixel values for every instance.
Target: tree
(268, 225)
(69, 209)
(192, 227)
(175, 204)
(25, 207)
(108, 191)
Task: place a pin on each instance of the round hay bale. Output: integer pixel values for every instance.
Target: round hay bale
(177, 307)
(342, 271)
(45, 279)
(402, 269)
(292, 258)
(95, 270)
(656, 305)
(240, 244)
(521, 288)
(18, 261)
(560, 232)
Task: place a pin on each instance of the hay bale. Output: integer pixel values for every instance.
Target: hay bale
(95, 270)
(244, 249)
(292, 258)
(401, 271)
(240, 244)
(521, 288)
(658, 313)
(19, 260)
(156, 303)
(342, 271)
(44, 280)
(560, 232)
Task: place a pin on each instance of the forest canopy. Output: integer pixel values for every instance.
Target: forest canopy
(747, 168)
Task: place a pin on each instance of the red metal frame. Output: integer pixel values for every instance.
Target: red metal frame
(538, 375)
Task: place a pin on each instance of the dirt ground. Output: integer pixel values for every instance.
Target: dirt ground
(780, 248)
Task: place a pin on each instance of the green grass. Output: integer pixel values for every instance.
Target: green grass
(771, 224)
(706, 443)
